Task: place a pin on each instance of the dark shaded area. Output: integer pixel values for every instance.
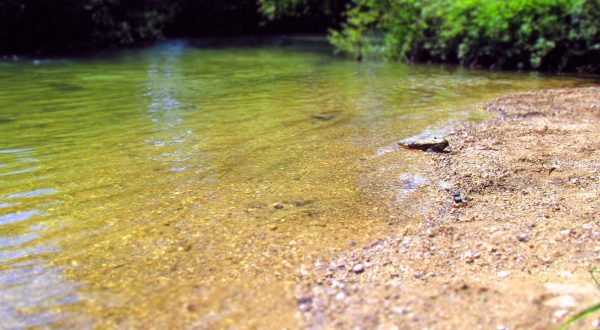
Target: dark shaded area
(34, 26)
(58, 26)
(215, 19)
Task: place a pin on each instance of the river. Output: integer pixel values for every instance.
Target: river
(186, 187)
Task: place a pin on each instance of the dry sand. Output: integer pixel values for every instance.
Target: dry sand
(516, 256)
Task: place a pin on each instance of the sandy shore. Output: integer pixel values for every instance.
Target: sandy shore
(516, 256)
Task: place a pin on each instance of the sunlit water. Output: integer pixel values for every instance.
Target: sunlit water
(185, 187)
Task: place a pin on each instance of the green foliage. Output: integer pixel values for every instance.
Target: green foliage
(276, 9)
(538, 34)
(125, 22)
(588, 311)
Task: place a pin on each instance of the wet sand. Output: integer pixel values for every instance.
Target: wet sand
(516, 255)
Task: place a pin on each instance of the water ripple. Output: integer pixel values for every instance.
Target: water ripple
(17, 240)
(34, 193)
(17, 217)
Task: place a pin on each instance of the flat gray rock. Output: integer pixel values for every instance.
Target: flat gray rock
(426, 144)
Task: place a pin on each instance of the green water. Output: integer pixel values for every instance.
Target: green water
(185, 188)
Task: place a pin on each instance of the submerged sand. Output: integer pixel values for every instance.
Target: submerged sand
(516, 256)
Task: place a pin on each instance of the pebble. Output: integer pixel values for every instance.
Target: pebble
(559, 314)
(523, 238)
(566, 232)
(278, 206)
(400, 310)
(340, 296)
(564, 301)
(471, 256)
(304, 300)
(358, 268)
(503, 274)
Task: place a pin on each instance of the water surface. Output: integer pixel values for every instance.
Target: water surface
(184, 187)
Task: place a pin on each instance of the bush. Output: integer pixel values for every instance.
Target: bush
(313, 16)
(508, 34)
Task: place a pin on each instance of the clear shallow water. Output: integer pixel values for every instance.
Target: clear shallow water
(185, 187)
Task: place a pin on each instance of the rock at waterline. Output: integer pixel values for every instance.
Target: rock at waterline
(433, 144)
(324, 116)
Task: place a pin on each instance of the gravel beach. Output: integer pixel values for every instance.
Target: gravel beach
(515, 252)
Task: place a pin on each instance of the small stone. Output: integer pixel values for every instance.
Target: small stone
(470, 257)
(304, 300)
(400, 310)
(503, 274)
(273, 227)
(566, 232)
(191, 308)
(559, 314)
(522, 237)
(278, 206)
(564, 301)
(358, 268)
(340, 296)
(304, 303)
(458, 199)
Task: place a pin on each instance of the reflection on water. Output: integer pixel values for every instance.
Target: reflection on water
(29, 286)
(165, 110)
(30, 292)
(182, 187)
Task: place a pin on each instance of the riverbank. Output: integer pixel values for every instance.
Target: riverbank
(517, 255)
